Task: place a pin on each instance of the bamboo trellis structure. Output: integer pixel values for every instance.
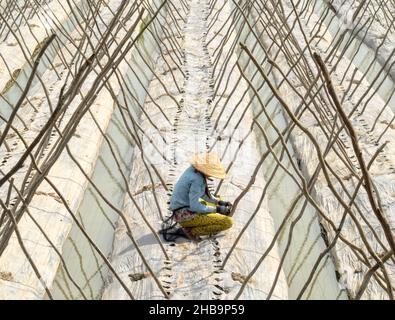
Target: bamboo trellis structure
(312, 80)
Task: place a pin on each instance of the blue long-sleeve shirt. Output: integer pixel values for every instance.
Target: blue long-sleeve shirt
(191, 187)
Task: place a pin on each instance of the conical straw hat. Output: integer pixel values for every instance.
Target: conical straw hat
(209, 164)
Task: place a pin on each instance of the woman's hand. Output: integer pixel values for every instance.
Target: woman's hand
(225, 203)
(223, 210)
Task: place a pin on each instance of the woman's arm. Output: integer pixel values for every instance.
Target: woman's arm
(206, 198)
(197, 191)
